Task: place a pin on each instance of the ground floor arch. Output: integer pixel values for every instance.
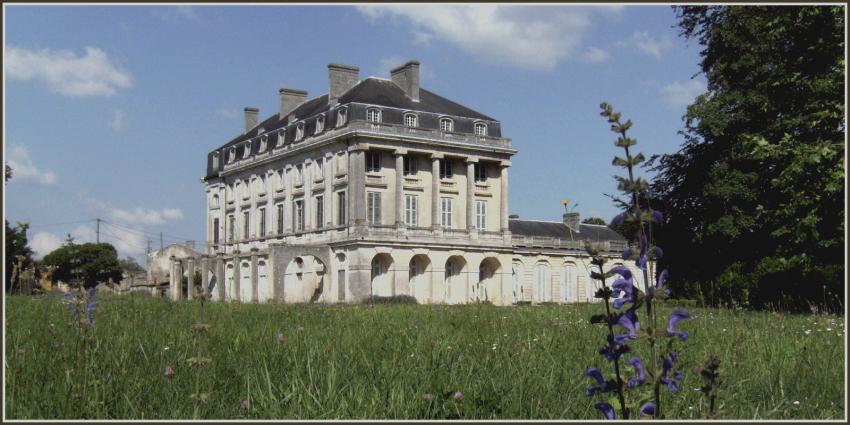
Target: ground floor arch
(382, 275)
(304, 279)
(489, 280)
(455, 286)
(420, 278)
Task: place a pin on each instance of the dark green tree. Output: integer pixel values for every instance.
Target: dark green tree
(594, 220)
(754, 197)
(16, 249)
(129, 265)
(85, 264)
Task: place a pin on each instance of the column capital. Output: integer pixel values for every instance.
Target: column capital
(437, 155)
(505, 163)
(471, 159)
(358, 147)
(400, 151)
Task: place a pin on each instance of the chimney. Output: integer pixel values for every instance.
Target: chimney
(290, 99)
(251, 115)
(340, 79)
(572, 221)
(407, 77)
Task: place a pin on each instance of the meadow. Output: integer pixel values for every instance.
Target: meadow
(361, 361)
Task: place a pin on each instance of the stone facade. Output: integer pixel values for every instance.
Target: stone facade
(379, 188)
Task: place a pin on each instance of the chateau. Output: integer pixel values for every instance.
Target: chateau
(379, 188)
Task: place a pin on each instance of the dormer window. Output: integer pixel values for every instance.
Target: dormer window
(410, 120)
(341, 116)
(281, 138)
(446, 124)
(373, 115)
(246, 150)
(320, 124)
(480, 129)
(263, 143)
(299, 131)
(231, 156)
(215, 160)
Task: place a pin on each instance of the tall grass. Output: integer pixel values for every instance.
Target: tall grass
(360, 361)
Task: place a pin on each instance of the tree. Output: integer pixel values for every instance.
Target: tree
(86, 264)
(129, 265)
(594, 220)
(754, 197)
(17, 250)
(8, 173)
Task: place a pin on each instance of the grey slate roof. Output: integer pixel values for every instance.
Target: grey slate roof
(553, 229)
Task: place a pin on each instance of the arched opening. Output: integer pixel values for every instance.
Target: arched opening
(421, 286)
(341, 276)
(245, 287)
(383, 278)
(543, 289)
(304, 279)
(264, 290)
(455, 282)
(488, 283)
(516, 282)
(570, 284)
(229, 273)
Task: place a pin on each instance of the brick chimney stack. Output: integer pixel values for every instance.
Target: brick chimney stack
(341, 78)
(407, 77)
(251, 118)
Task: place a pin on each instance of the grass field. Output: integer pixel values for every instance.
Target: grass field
(378, 362)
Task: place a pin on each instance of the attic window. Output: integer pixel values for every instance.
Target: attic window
(373, 115)
(410, 120)
(281, 137)
(480, 129)
(231, 155)
(299, 131)
(341, 116)
(215, 160)
(446, 124)
(320, 124)
(246, 150)
(263, 143)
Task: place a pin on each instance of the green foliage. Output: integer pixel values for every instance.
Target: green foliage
(89, 262)
(594, 220)
(755, 194)
(16, 248)
(362, 362)
(129, 265)
(8, 172)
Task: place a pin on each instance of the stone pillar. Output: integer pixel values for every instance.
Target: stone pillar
(288, 205)
(222, 218)
(237, 275)
(329, 191)
(503, 197)
(178, 280)
(357, 186)
(309, 212)
(171, 275)
(190, 279)
(220, 285)
(470, 196)
(254, 279)
(205, 276)
(435, 191)
(399, 187)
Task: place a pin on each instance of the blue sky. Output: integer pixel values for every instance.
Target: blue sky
(110, 111)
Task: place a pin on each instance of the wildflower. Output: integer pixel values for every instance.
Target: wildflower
(628, 253)
(625, 287)
(660, 285)
(623, 271)
(428, 397)
(597, 375)
(657, 216)
(619, 218)
(280, 337)
(666, 367)
(169, 372)
(675, 318)
(657, 252)
(796, 402)
(246, 404)
(643, 259)
(648, 409)
(607, 410)
(458, 396)
(628, 320)
(634, 381)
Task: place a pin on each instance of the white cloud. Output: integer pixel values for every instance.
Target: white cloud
(118, 121)
(389, 63)
(526, 37)
(64, 72)
(145, 216)
(648, 44)
(178, 13)
(595, 55)
(23, 170)
(682, 94)
(44, 243)
(172, 214)
(230, 114)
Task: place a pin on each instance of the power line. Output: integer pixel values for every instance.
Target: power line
(144, 232)
(59, 224)
(122, 239)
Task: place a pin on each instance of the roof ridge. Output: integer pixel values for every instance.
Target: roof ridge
(539, 221)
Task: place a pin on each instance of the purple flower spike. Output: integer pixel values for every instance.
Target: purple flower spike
(667, 365)
(627, 254)
(622, 271)
(607, 410)
(634, 381)
(648, 409)
(657, 216)
(675, 318)
(619, 218)
(597, 375)
(628, 320)
(657, 252)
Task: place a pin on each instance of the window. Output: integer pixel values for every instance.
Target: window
(215, 231)
(246, 150)
(298, 215)
(215, 160)
(409, 166)
(231, 228)
(341, 164)
(341, 208)
(480, 129)
(373, 207)
(410, 120)
(320, 211)
(569, 283)
(279, 217)
(373, 161)
(320, 169)
(446, 208)
(231, 155)
(542, 281)
(246, 224)
(299, 175)
(320, 124)
(264, 140)
(262, 229)
(480, 172)
(341, 116)
(214, 202)
(446, 124)
(281, 138)
(299, 131)
(446, 171)
(411, 210)
(480, 215)
(373, 115)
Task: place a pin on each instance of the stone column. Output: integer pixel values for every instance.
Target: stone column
(309, 211)
(190, 285)
(254, 281)
(329, 190)
(399, 187)
(220, 285)
(171, 278)
(205, 275)
(178, 280)
(503, 197)
(237, 275)
(357, 186)
(288, 205)
(222, 218)
(435, 191)
(470, 196)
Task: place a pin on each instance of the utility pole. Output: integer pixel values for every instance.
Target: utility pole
(98, 230)
(160, 241)
(148, 251)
